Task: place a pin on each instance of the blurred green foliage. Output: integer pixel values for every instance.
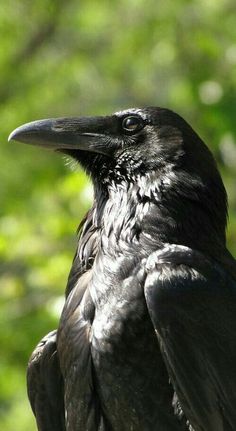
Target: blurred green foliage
(61, 58)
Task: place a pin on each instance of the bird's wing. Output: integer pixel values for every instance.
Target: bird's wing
(45, 385)
(83, 411)
(192, 304)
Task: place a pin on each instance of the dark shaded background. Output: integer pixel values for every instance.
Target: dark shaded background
(93, 57)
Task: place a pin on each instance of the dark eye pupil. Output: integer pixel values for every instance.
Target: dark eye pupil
(132, 123)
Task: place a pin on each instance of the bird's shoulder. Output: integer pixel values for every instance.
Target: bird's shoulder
(180, 278)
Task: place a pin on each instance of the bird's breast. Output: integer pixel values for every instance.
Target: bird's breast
(128, 366)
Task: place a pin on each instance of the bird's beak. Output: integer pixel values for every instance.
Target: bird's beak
(84, 133)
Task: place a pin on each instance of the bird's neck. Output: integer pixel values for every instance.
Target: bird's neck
(151, 211)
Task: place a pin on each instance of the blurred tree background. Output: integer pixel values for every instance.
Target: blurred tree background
(68, 57)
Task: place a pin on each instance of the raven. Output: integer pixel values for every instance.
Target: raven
(146, 340)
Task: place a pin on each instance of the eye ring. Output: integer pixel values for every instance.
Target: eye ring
(132, 123)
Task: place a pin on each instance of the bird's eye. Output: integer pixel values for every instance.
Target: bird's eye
(132, 123)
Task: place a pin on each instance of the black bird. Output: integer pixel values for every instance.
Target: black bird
(147, 336)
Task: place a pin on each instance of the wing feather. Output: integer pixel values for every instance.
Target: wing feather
(194, 315)
(45, 385)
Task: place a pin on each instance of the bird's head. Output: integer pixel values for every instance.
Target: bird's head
(135, 144)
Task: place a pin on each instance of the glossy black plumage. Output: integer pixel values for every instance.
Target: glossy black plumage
(146, 339)
(45, 385)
